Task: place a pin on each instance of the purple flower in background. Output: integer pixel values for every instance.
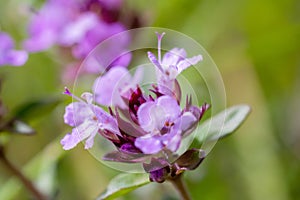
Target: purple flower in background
(8, 55)
(68, 23)
(47, 24)
(79, 26)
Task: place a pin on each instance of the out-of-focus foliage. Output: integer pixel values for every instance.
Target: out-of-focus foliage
(256, 45)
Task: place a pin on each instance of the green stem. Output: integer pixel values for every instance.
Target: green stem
(26, 182)
(180, 186)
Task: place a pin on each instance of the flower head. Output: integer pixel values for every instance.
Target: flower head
(144, 128)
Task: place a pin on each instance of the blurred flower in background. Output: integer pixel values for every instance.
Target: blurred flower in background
(79, 26)
(8, 55)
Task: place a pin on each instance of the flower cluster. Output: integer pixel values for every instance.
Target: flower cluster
(78, 26)
(8, 55)
(147, 129)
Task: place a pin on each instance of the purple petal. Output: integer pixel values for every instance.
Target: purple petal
(172, 140)
(75, 31)
(173, 143)
(182, 65)
(170, 106)
(92, 65)
(111, 4)
(116, 85)
(78, 134)
(46, 25)
(148, 145)
(154, 61)
(138, 75)
(107, 122)
(151, 117)
(9, 56)
(143, 115)
(90, 140)
(95, 36)
(187, 121)
(76, 113)
(69, 141)
(6, 42)
(122, 60)
(105, 87)
(16, 58)
(40, 42)
(173, 57)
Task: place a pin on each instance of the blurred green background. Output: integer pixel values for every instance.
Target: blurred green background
(255, 44)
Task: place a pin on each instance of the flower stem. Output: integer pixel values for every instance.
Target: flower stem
(26, 182)
(180, 186)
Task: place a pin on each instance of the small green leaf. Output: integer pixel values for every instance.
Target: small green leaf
(222, 124)
(36, 108)
(123, 184)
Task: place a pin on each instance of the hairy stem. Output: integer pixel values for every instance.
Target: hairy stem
(26, 182)
(180, 186)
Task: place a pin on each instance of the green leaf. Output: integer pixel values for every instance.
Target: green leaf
(222, 124)
(36, 108)
(123, 184)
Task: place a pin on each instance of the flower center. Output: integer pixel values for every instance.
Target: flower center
(95, 118)
(169, 124)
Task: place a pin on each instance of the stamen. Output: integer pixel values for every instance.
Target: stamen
(159, 38)
(153, 59)
(67, 92)
(95, 118)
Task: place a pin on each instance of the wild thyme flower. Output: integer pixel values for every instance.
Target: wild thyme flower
(8, 55)
(145, 128)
